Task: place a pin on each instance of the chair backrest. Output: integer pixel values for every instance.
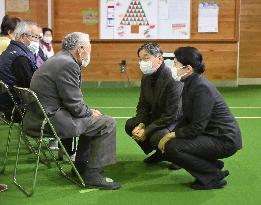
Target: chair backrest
(4, 89)
(30, 102)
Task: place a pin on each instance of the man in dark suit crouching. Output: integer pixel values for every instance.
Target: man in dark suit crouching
(159, 104)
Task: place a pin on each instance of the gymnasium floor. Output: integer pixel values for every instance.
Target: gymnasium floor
(142, 184)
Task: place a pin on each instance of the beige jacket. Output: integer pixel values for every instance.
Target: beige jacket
(4, 42)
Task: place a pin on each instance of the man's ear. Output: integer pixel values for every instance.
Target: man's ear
(79, 49)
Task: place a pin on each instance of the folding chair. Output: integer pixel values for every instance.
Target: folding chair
(4, 89)
(29, 100)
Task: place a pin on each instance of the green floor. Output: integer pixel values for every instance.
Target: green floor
(143, 184)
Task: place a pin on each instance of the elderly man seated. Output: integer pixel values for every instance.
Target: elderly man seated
(58, 86)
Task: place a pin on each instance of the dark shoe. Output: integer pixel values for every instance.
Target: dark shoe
(93, 179)
(154, 158)
(217, 183)
(213, 185)
(220, 164)
(174, 167)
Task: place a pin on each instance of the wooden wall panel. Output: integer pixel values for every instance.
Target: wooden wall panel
(250, 39)
(68, 18)
(219, 49)
(220, 59)
(106, 55)
(38, 12)
(228, 21)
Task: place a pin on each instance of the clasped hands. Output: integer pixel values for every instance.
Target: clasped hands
(138, 133)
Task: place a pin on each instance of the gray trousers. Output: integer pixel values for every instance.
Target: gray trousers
(97, 144)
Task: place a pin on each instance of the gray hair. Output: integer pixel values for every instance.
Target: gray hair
(72, 40)
(152, 48)
(23, 27)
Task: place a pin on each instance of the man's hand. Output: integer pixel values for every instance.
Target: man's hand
(96, 113)
(136, 130)
(139, 135)
(164, 140)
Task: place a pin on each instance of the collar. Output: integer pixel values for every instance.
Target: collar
(188, 81)
(158, 72)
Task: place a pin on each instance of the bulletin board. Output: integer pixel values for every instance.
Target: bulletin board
(86, 15)
(145, 19)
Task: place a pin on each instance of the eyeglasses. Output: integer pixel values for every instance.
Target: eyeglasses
(36, 37)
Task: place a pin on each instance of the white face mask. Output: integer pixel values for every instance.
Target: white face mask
(175, 75)
(146, 67)
(85, 62)
(33, 47)
(47, 39)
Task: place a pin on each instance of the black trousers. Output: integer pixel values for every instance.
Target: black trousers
(151, 142)
(199, 155)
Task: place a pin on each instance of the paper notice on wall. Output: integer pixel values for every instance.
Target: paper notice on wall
(177, 26)
(17, 5)
(208, 17)
(180, 28)
(163, 9)
(90, 17)
(110, 15)
(107, 18)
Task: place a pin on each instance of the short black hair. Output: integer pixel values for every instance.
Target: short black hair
(8, 24)
(152, 48)
(47, 29)
(190, 56)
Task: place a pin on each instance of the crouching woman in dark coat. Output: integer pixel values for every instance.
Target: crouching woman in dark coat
(207, 132)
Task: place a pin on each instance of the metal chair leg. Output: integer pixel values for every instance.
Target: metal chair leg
(22, 188)
(59, 166)
(7, 147)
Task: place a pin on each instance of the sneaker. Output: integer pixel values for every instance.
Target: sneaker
(53, 144)
(62, 157)
(3, 187)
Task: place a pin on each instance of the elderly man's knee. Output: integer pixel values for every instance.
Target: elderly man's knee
(111, 121)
